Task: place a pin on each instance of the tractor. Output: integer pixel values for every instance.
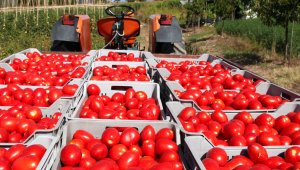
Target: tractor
(72, 32)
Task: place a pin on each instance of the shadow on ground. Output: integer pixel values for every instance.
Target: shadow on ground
(244, 58)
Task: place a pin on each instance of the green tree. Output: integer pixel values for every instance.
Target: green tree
(195, 8)
(279, 12)
(226, 9)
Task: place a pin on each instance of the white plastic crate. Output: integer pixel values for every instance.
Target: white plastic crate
(97, 127)
(61, 105)
(262, 88)
(196, 147)
(104, 52)
(109, 89)
(114, 64)
(173, 109)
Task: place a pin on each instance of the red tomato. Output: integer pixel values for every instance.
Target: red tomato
(117, 151)
(70, 155)
(141, 96)
(210, 136)
(4, 164)
(99, 151)
(219, 116)
(54, 94)
(232, 129)
(29, 162)
(129, 137)
(148, 148)
(165, 133)
(290, 129)
(9, 124)
(187, 112)
(254, 105)
(83, 135)
(77, 142)
(103, 164)
(268, 139)
(218, 155)
(87, 162)
(237, 161)
(282, 122)
(252, 128)
(110, 137)
(169, 156)
(188, 126)
(257, 153)
(204, 117)
(237, 141)
(292, 155)
(265, 119)
(274, 161)
(163, 145)
(148, 133)
(128, 159)
(244, 116)
(36, 150)
(285, 140)
(14, 152)
(240, 103)
(91, 143)
(210, 164)
(34, 113)
(215, 127)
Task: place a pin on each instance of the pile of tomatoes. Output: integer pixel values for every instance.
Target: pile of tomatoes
(17, 124)
(13, 95)
(243, 129)
(112, 56)
(51, 63)
(121, 73)
(45, 78)
(131, 105)
(217, 99)
(122, 151)
(165, 64)
(20, 157)
(257, 159)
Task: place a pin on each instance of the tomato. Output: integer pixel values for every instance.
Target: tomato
(36, 150)
(117, 151)
(169, 156)
(200, 128)
(252, 128)
(71, 155)
(285, 166)
(265, 119)
(91, 143)
(274, 161)
(292, 155)
(141, 96)
(282, 122)
(96, 105)
(244, 116)
(148, 133)
(240, 103)
(257, 153)
(118, 97)
(87, 162)
(250, 138)
(210, 136)
(194, 120)
(54, 94)
(187, 112)
(129, 94)
(147, 164)
(232, 129)
(219, 116)
(164, 133)
(103, 164)
(237, 161)
(14, 152)
(268, 139)
(237, 141)
(163, 145)
(77, 142)
(146, 114)
(70, 89)
(177, 165)
(29, 162)
(129, 137)
(270, 101)
(132, 103)
(9, 124)
(99, 151)
(210, 164)
(285, 140)
(4, 164)
(296, 118)
(148, 148)
(34, 113)
(204, 117)
(218, 155)
(83, 135)
(188, 126)
(254, 105)
(110, 137)
(128, 159)
(290, 129)
(215, 127)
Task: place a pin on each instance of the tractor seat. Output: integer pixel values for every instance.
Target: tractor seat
(131, 27)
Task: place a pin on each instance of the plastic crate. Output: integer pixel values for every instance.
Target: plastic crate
(97, 127)
(196, 147)
(262, 88)
(48, 142)
(151, 89)
(60, 105)
(173, 109)
(114, 64)
(104, 52)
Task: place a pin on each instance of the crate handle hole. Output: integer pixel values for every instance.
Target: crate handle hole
(121, 87)
(285, 96)
(254, 80)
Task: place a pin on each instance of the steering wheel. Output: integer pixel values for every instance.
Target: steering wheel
(109, 12)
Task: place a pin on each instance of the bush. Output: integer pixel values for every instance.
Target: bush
(259, 33)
